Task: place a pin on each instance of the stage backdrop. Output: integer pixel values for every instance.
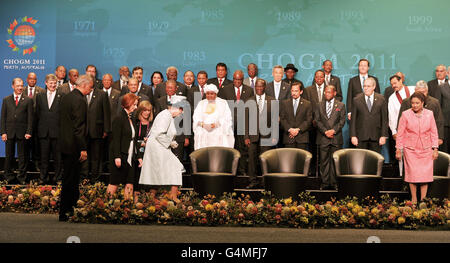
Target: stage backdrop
(402, 35)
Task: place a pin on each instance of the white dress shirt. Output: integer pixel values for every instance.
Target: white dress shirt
(320, 91)
(260, 99)
(50, 97)
(33, 90)
(71, 86)
(362, 78)
(277, 88)
(108, 91)
(394, 107)
(238, 89)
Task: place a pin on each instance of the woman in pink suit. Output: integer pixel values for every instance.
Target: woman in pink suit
(418, 138)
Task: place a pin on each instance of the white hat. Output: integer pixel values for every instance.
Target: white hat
(211, 87)
(178, 101)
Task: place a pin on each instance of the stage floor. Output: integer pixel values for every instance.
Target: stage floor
(30, 228)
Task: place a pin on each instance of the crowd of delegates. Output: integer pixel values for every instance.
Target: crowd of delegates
(115, 135)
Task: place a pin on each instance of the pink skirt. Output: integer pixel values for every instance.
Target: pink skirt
(418, 165)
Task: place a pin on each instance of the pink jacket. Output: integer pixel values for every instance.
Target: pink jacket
(411, 130)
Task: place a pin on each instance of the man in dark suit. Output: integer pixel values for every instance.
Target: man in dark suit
(252, 71)
(388, 91)
(98, 127)
(47, 115)
(142, 89)
(70, 85)
(369, 123)
(72, 138)
(445, 104)
(162, 104)
(172, 74)
(355, 84)
(278, 89)
(331, 79)
(330, 118)
(290, 70)
(16, 128)
(258, 138)
(237, 94)
(113, 96)
(314, 94)
(133, 85)
(60, 73)
(124, 75)
(296, 119)
(202, 78)
(431, 104)
(32, 145)
(434, 86)
(92, 70)
(221, 80)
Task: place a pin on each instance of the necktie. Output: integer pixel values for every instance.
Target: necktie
(260, 105)
(295, 107)
(320, 93)
(253, 84)
(220, 83)
(17, 100)
(31, 93)
(203, 91)
(369, 104)
(238, 95)
(329, 109)
(50, 99)
(362, 86)
(88, 98)
(328, 80)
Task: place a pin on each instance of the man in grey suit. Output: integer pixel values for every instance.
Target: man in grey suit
(160, 90)
(32, 145)
(124, 75)
(434, 86)
(70, 85)
(278, 89)
(330, 118)
(252, 71)
(369, 122)
(296, 119)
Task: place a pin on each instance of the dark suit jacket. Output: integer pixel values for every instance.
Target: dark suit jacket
(145, 90)
(98, 115)
(388, 91)
(336, 82)
(228, 93)
(161, 104)
(355, 88)
(336, 122)
(190, 96)
(64, 88)
(433, 88)
(285, 91)
(215, 81)
(121, 135)
(116, 85)
(290, 81)
(310, 94)
(367, 125)
(430, 104)
(302, 120)
(141, 96)
(259, 118)
(160, 90)
(48, 119)
(72, 118)
(16, 121)
(114, 103)
(36, 92)
(444, 98)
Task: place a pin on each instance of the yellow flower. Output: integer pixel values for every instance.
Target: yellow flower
(304, 219)
(417, 215)
(401, 220)
(152, 209)
(209, 207)
(350, 205)
(294, 210)
(334, 209)
(37, 193)
(361, 214)
(288, 201)
(374, 211)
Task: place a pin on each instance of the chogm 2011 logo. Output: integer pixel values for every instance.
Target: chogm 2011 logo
(22, 35)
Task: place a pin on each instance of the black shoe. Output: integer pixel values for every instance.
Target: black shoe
(251, 186)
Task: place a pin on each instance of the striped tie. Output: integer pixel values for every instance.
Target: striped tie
(328, 109)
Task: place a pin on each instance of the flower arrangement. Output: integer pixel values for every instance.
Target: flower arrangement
(94, 206)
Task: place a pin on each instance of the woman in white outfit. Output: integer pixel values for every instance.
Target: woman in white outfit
(212, 121)
(160, 167)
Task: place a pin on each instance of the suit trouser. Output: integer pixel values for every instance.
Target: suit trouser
(303, 146)
(327, 168)
(239, 144)
(313, 149)
(445, 147)
(254, 151)
(70, 191)
(10, 145)
(33, 148)
(370, 145)
(94, 159)
(49, 146)
(105, 153)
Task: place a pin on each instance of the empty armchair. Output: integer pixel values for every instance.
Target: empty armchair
(358, 172)
(440, 187)
(214, 170)
(285, 171)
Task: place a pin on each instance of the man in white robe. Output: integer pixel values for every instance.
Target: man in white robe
(212, 121)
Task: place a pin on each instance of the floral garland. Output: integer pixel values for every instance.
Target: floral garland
(231, 210)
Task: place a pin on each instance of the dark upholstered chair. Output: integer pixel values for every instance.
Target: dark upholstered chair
(358, 172)
(285, 171)
(440, 187)
(214, 170)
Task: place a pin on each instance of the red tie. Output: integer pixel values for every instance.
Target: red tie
(238, 95)
(17, 100)
(203, 92)
(31, 93)
(220, 83)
